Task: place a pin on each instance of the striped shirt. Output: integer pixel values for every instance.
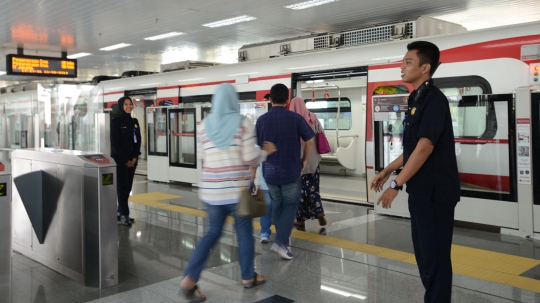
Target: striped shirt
(224, 172)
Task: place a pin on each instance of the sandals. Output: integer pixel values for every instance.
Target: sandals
(254, 283)
(190, 294)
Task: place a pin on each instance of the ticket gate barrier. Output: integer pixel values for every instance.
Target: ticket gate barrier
(64, 213)
(5, 232)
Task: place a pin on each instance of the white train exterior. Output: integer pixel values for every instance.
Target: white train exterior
(494, 56)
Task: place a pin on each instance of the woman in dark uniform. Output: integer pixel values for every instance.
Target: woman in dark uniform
(125, 149)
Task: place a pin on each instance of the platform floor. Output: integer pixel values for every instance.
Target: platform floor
(358, 257)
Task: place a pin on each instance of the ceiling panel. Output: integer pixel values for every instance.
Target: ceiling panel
(47, 26)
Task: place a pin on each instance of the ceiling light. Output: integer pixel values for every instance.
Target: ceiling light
(226, 22)
(113, 47)
(172, 34)
(2, 73)
(308, 4)
(75, 56)
(150, 84)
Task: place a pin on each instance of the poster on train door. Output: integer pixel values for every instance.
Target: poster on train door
(524, 150)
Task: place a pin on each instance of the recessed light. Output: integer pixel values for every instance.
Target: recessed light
(113, 47)
(2, 73)
(308, 4)
(168, 35)
(75, 56)
(230, 21)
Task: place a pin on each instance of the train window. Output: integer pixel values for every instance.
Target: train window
(327, 109)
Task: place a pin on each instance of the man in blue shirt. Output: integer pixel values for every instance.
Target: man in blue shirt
(282, 169)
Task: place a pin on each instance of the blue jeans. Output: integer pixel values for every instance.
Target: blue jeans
(246, 244)
(285, 201)
(266, 221)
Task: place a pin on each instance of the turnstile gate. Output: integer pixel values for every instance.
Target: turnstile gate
(5, 232)
(64, 213)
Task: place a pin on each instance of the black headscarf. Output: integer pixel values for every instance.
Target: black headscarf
(123, 113)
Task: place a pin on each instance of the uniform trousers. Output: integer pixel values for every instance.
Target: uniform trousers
(432, 224)
(124, 183)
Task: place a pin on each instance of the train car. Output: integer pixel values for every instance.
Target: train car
(345, 87)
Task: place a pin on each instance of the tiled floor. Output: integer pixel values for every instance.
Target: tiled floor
(154, 252)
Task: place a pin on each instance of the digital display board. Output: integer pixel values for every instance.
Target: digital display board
(22, 65)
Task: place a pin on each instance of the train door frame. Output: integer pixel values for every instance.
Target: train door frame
(530, 220)
(472, 200)
(341, 73)
(157, 161)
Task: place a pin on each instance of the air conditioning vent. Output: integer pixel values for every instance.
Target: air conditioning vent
(398, 30)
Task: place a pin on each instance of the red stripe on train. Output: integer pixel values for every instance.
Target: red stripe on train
(480, 141)
(499, 183)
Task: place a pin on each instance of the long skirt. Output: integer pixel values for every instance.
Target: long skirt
(310, 198)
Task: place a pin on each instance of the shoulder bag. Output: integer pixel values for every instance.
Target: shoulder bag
(322, 143)
(251, 203)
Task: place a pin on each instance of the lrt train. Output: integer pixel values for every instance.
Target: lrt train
(356, 92)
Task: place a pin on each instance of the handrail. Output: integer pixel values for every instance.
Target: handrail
(349, 136)
(339, 103)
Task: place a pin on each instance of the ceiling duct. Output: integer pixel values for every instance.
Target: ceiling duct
(421, 27)
(185, 65)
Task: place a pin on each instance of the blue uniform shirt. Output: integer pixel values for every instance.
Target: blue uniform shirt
(284, 128)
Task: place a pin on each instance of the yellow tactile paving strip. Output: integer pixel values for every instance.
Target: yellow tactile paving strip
(477, 263)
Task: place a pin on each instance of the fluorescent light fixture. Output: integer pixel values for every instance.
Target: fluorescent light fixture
(113, 47)
(168, 35)
(2, 73)
(243, 74)
(75, 56)
(230, 21)
(193, 79)
(308, 4)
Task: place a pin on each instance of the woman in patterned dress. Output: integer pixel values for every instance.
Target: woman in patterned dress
(310, 198)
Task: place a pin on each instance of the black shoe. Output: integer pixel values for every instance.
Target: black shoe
(130, 219)
(125, 220)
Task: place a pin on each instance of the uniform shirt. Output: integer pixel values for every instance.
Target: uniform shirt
(124, 133)
(429, 117)
(284, 128)
(225, 172)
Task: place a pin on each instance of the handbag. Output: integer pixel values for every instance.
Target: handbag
(251, 205)
(322, 144)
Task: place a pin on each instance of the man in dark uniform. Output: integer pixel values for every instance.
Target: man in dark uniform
(430, 171)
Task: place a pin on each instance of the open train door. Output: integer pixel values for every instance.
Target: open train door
(531, 220)
(485, 140)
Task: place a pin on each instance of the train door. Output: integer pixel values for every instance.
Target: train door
(158, 150)
(182, 145)
(338, 98)
(484, 132)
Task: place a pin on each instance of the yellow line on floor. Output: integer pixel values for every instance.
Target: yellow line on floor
(477, 263)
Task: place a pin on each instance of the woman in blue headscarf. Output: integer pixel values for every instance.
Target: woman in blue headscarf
(227, 148)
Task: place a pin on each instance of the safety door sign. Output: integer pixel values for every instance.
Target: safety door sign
(524, 150)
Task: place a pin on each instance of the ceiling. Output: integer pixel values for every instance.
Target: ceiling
(45, 27)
